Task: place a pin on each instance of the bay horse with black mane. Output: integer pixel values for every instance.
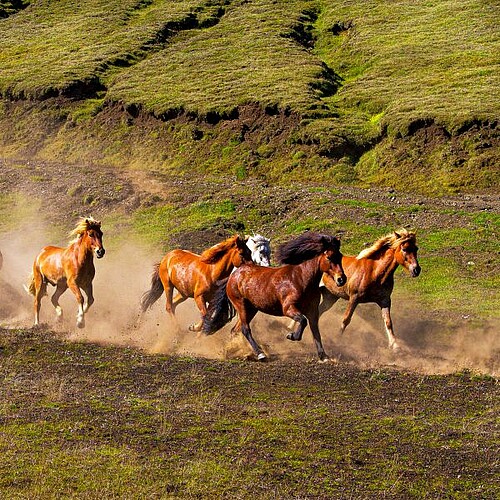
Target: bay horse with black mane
(291, 290)
(195, 276)
(370, 277)
(71, 267)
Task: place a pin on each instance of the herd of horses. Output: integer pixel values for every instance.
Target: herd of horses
(234, 277)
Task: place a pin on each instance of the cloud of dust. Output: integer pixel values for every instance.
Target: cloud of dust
(123, 275)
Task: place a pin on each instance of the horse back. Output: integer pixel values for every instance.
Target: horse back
(268, 289)
(185, 271)
(363, 280)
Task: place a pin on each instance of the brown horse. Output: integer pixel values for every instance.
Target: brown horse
(71, 267)
(291, 290)
(193, 275)
(370, 277)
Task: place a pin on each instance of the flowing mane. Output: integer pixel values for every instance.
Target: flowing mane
(83, 225)
(214, 254)
(305, 247)
(391, 240)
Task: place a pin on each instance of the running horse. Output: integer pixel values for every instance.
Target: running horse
(195, 276)
(370, 277)
(71, 267)
(291, 290)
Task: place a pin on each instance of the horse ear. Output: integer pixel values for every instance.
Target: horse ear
(397, 234)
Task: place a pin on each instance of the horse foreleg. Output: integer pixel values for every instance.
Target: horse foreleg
(80, 317)
(178, 299)
(60, 289)
(245, 318)
(386, 316)
(351, 306)
(89, 292)
(299, 318)
(202, 306)
(313, 317)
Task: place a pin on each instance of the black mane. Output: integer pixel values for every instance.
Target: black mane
(305, 247)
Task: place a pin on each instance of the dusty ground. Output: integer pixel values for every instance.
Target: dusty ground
(67, 191)
(421, 423)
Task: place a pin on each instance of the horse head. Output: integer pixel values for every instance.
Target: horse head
(242, 254)
(406, 252)
(89, 231)
(260, 249)
(310, 245)
(331, 260)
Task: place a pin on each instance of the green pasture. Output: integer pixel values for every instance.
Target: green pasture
(356, 81)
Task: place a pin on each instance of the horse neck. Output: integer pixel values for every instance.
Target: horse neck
(311, 270)
(82, 251)
(225, 265)
(386, 264)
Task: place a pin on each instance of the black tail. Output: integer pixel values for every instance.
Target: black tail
(156, 291)
(220, 310)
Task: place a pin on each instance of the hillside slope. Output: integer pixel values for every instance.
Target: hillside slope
(343, 92)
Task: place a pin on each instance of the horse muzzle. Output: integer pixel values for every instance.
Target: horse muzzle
(415, 271)
(99, 253)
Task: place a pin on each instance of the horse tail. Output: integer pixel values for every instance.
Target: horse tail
(30, 288)
(220, 310)
(155, 292)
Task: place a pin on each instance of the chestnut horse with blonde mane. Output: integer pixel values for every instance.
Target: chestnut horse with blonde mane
(370, 277)
(194, 276)
(291, 290)
(71, 267)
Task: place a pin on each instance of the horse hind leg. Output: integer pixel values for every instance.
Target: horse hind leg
(38, 288)
(40, 292)
(60, 289)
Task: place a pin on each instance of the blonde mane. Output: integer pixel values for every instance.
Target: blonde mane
(392, 240)
(84, 224)
(214, 254)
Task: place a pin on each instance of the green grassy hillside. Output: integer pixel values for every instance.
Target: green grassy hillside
(349, 92)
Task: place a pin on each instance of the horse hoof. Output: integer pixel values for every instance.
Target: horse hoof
(80, 324)
(291, 336)
(261, 357)
(326, 359)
